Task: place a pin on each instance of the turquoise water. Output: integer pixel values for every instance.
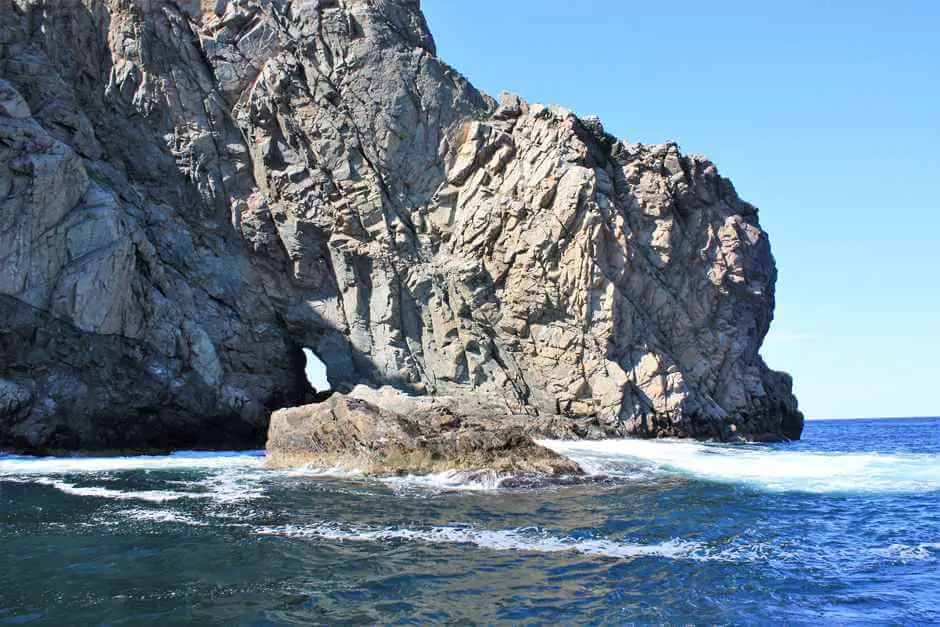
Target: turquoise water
(842, 527)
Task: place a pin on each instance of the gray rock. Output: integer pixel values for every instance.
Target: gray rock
(13, 398)
(192, 192)
(12, 104)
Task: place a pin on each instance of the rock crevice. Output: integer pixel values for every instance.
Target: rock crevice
(191, 191)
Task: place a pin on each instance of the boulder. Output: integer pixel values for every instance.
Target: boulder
(393, 433)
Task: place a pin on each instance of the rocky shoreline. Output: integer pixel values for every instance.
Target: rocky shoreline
(386, 432)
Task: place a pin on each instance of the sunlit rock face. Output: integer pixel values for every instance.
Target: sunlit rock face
(192, 192)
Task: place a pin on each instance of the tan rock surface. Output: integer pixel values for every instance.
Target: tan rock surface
(393, 434)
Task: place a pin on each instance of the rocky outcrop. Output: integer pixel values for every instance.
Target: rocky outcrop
(385, 432)
(193, 191)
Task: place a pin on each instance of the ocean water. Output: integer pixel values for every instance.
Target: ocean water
(842, 527)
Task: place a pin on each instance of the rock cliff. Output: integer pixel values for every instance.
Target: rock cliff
(193, 191)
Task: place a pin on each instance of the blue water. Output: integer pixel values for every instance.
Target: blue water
(842, 527)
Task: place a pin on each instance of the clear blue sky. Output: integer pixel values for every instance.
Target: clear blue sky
(826, 115)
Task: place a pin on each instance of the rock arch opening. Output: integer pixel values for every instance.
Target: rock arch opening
(316, 373)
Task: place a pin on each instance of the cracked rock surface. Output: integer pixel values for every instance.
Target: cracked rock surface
(385, 432)
(192, 191)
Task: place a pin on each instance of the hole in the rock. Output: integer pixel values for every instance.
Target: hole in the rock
(316, 372)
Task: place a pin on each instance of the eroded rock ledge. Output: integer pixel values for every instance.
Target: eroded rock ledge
(385, 432)
(193, 191)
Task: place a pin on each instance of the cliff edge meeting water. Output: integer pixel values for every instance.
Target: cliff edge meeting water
(401, 312)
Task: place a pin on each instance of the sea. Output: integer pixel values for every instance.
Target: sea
(842, 527)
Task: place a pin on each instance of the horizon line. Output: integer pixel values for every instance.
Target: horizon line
(824, 418)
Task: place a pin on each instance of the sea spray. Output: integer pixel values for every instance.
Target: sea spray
(759, 466)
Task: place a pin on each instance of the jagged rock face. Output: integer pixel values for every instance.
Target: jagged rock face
(621, 280)
(192, 191)
(130, 314)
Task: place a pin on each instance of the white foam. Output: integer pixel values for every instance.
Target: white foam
(451, 480)
(448, 480)
(527, 540)
(760, 466)
(314, 472)
(162, 516)
(910, 552)
(225, 478)
(230, 487)
(152, 496)
(197, 460)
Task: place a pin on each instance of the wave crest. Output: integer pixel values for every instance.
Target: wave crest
(759, 466)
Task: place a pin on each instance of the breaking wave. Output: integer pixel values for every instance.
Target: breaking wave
(221, 490)
(222, 477)
(185, 460)
(151, 496)
(452, 480)
(235, 476)
(759, 466)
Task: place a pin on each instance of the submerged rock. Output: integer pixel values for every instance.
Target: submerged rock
(192, 192)
(388, 433)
